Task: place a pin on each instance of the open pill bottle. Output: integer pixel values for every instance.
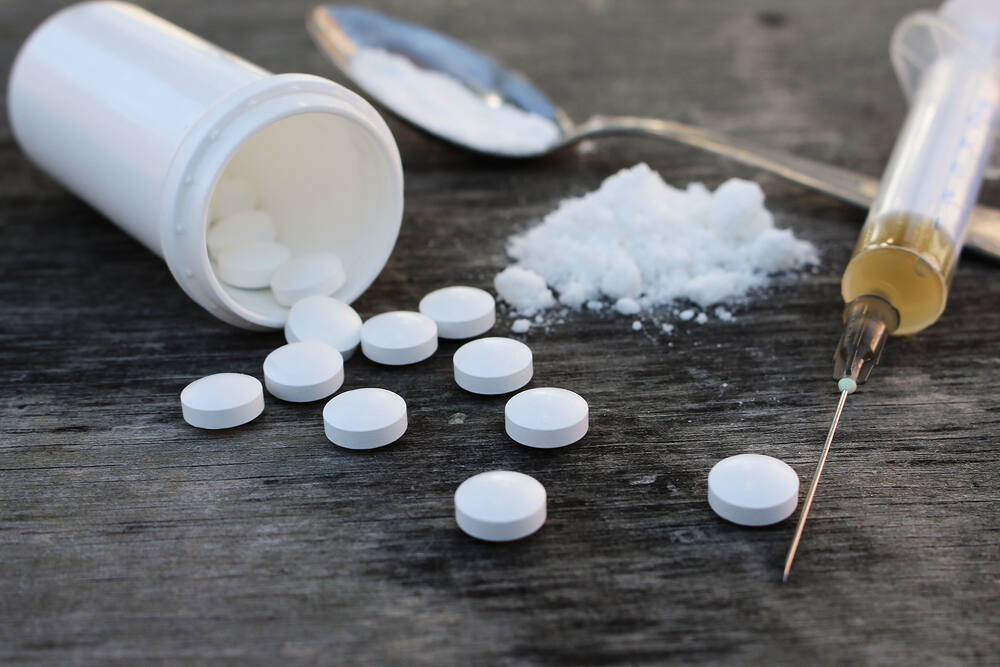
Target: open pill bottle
(143, 120)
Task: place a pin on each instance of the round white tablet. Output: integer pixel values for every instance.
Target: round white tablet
(242, 227)
(500, 505)
(546, 417)
(398, 338)
(251, 265)
(232, 195)
(303, 372)
(492, 365)
(753, 489)
(327, 320)
(318, 273)
(365, 418)
(460, 312)
(260, 301)
(222, 400)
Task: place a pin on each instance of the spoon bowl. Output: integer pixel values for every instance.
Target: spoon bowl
(342, 31)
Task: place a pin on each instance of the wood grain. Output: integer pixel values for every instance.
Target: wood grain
(126, 536)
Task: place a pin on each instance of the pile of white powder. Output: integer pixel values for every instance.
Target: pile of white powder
(446, 107)
(637, 242)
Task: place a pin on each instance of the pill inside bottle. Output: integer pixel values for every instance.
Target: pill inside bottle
(318, 207)
(239, 228)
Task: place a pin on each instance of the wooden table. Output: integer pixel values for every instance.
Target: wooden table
(127, 535)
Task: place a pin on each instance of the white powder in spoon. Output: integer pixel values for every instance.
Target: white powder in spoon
(448, 108)
(638, 243)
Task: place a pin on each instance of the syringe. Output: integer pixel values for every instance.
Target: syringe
(898, 277)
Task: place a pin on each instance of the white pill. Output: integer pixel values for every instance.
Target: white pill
(327, 320)
(460, 312)
(398, 338)
(258, 300)
(493, 365)
(546, 417)
(316, 274)
(222, 400)
(303, 372)
(232, 195)
(365, 418)
(500, 506)
(251, 265)
(242, 227)
(753, 489)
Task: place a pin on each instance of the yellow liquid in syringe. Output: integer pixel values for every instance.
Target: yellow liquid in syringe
(907, 261)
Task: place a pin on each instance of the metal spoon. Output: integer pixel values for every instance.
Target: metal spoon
(340, 30)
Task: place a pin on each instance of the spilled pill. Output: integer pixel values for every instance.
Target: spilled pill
(546, 417)
(753, 489)
(493, 365)
(399, 337)
(500, 505)
(459, 311)
(325, 319)
(223, 400)
(365, 418)
(304, 371)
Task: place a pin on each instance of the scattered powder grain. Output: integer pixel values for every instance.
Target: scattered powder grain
(723, 314)
(520, 326)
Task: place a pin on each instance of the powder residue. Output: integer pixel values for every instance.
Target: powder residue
(445, 106)
(638, 242)
(627, 306)
(520, 326)
(524, 289)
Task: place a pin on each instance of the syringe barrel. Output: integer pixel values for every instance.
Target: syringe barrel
(937, 164)
(909, 245)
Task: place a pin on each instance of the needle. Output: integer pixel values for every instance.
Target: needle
(812, 487)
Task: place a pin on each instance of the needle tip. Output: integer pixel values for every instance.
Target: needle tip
(784, 577)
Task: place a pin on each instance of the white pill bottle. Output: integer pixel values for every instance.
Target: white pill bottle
(141, 120)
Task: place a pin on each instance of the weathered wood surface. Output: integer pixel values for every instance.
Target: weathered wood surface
(126, 535)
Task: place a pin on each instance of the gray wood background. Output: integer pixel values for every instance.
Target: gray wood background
(126, 536)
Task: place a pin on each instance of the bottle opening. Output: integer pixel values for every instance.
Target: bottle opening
(325, 182)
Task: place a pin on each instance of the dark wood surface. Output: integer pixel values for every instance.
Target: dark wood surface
(126, 535)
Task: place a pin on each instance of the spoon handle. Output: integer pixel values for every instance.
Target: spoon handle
(850, 186)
